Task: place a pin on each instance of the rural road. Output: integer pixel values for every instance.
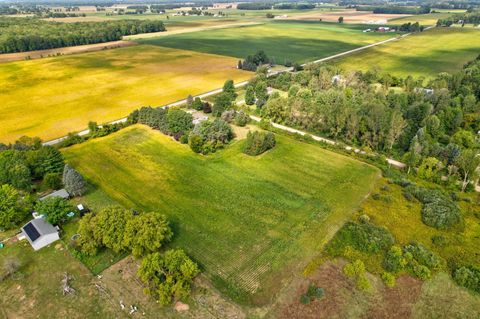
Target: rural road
(240, 84)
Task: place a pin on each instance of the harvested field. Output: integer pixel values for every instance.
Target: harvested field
(349, 16)
(251, 222)
(53, 96)
(9, 57)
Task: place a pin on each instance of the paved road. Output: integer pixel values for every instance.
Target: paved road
(240, 84)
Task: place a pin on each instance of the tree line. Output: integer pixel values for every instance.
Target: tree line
(395, 9)
(463, 18)
(28, 34)
(431, 127)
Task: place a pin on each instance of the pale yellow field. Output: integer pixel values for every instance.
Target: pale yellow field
(53, 96)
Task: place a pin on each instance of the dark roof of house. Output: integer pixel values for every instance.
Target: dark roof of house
(38, 227)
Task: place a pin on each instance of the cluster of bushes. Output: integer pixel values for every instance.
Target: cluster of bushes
(468, 277)
(28, 161)
(413, 258)
(171, 121)
(362, 236)
(252, 62)
(313, 293)
(208, 136)
(411, 27)
(439, 210)
(258, 142)
(256, 93)
(356, 271)
(199, 105)
(168, 276)
(122, 230)
(27, 34)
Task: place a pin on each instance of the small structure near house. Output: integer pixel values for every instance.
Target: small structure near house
(59, 193)
(40, 233)
(383, 29)
(367, 30)
(82, 210)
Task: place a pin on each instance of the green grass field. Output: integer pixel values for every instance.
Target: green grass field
(249, 221)
(53, 96)
(424, 54)
(298, 41)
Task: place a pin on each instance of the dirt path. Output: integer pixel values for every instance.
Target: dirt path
(9, 57)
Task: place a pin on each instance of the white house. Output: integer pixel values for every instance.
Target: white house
(40, 233)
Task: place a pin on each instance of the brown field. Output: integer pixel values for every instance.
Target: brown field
(349, 16)
(9, 57)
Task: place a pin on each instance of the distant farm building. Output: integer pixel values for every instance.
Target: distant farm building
(383, 29)
(40, 233)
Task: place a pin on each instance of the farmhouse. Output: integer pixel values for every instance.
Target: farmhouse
(40, 233)
(62, 193)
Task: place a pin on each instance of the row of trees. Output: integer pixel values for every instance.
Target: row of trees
(420, 126)
(252, 62)
(463, 18)
(27, 34)
(395, 9)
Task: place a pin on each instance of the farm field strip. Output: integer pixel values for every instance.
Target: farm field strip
(53, 96)
(298, 41)
(244, 219)
(424, 54)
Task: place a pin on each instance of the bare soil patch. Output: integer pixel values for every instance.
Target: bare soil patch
(9, 57)
(349, 16)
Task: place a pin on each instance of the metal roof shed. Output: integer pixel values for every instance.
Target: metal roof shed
(40, 233)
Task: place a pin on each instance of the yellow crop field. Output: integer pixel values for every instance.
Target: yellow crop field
(53, 96)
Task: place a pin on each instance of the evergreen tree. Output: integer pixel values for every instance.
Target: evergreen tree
(249, 96)
(74, 182)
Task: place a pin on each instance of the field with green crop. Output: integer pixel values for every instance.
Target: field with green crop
(53, 96)
(248, 221)
(425, 54)
(298, 41)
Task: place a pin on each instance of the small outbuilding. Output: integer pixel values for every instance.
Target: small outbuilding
(40, 233)
(62, 193)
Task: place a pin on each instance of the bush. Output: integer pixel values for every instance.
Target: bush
(365, 237)
(52, 181)
(228, 116)
(195, 142)
(197, 104)
(423, 256)
(439, 211)
(394, 261)
(241, 119)
(388, 279)
(468, 277)
(258, 143)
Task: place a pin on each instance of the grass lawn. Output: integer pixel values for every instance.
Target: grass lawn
(424, 54)
(249, 221)
(35, 290)
(298, 41)
(53, 96)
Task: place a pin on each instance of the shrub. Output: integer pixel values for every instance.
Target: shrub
(258, 143)
(439, 241)
(438, 210)
(304, 299)
(207, 108)
(468, 277)
(388, 279)
(423, 256)
(228, 116)
(394, 261)
(365, 237)
(195, 142)
(52, 180)
(197, 104)
(241, 119)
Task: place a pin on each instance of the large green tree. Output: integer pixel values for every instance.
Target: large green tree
(55, 209)
(13, 208)
(168, 276)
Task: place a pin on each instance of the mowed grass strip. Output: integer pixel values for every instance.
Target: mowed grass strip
(246, 220)
(424, 54)
(297, 41)
(53, 96)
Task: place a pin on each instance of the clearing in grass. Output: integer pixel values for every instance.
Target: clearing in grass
(51, 97)
(295, 41)
(424, 54)
(249, 221)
